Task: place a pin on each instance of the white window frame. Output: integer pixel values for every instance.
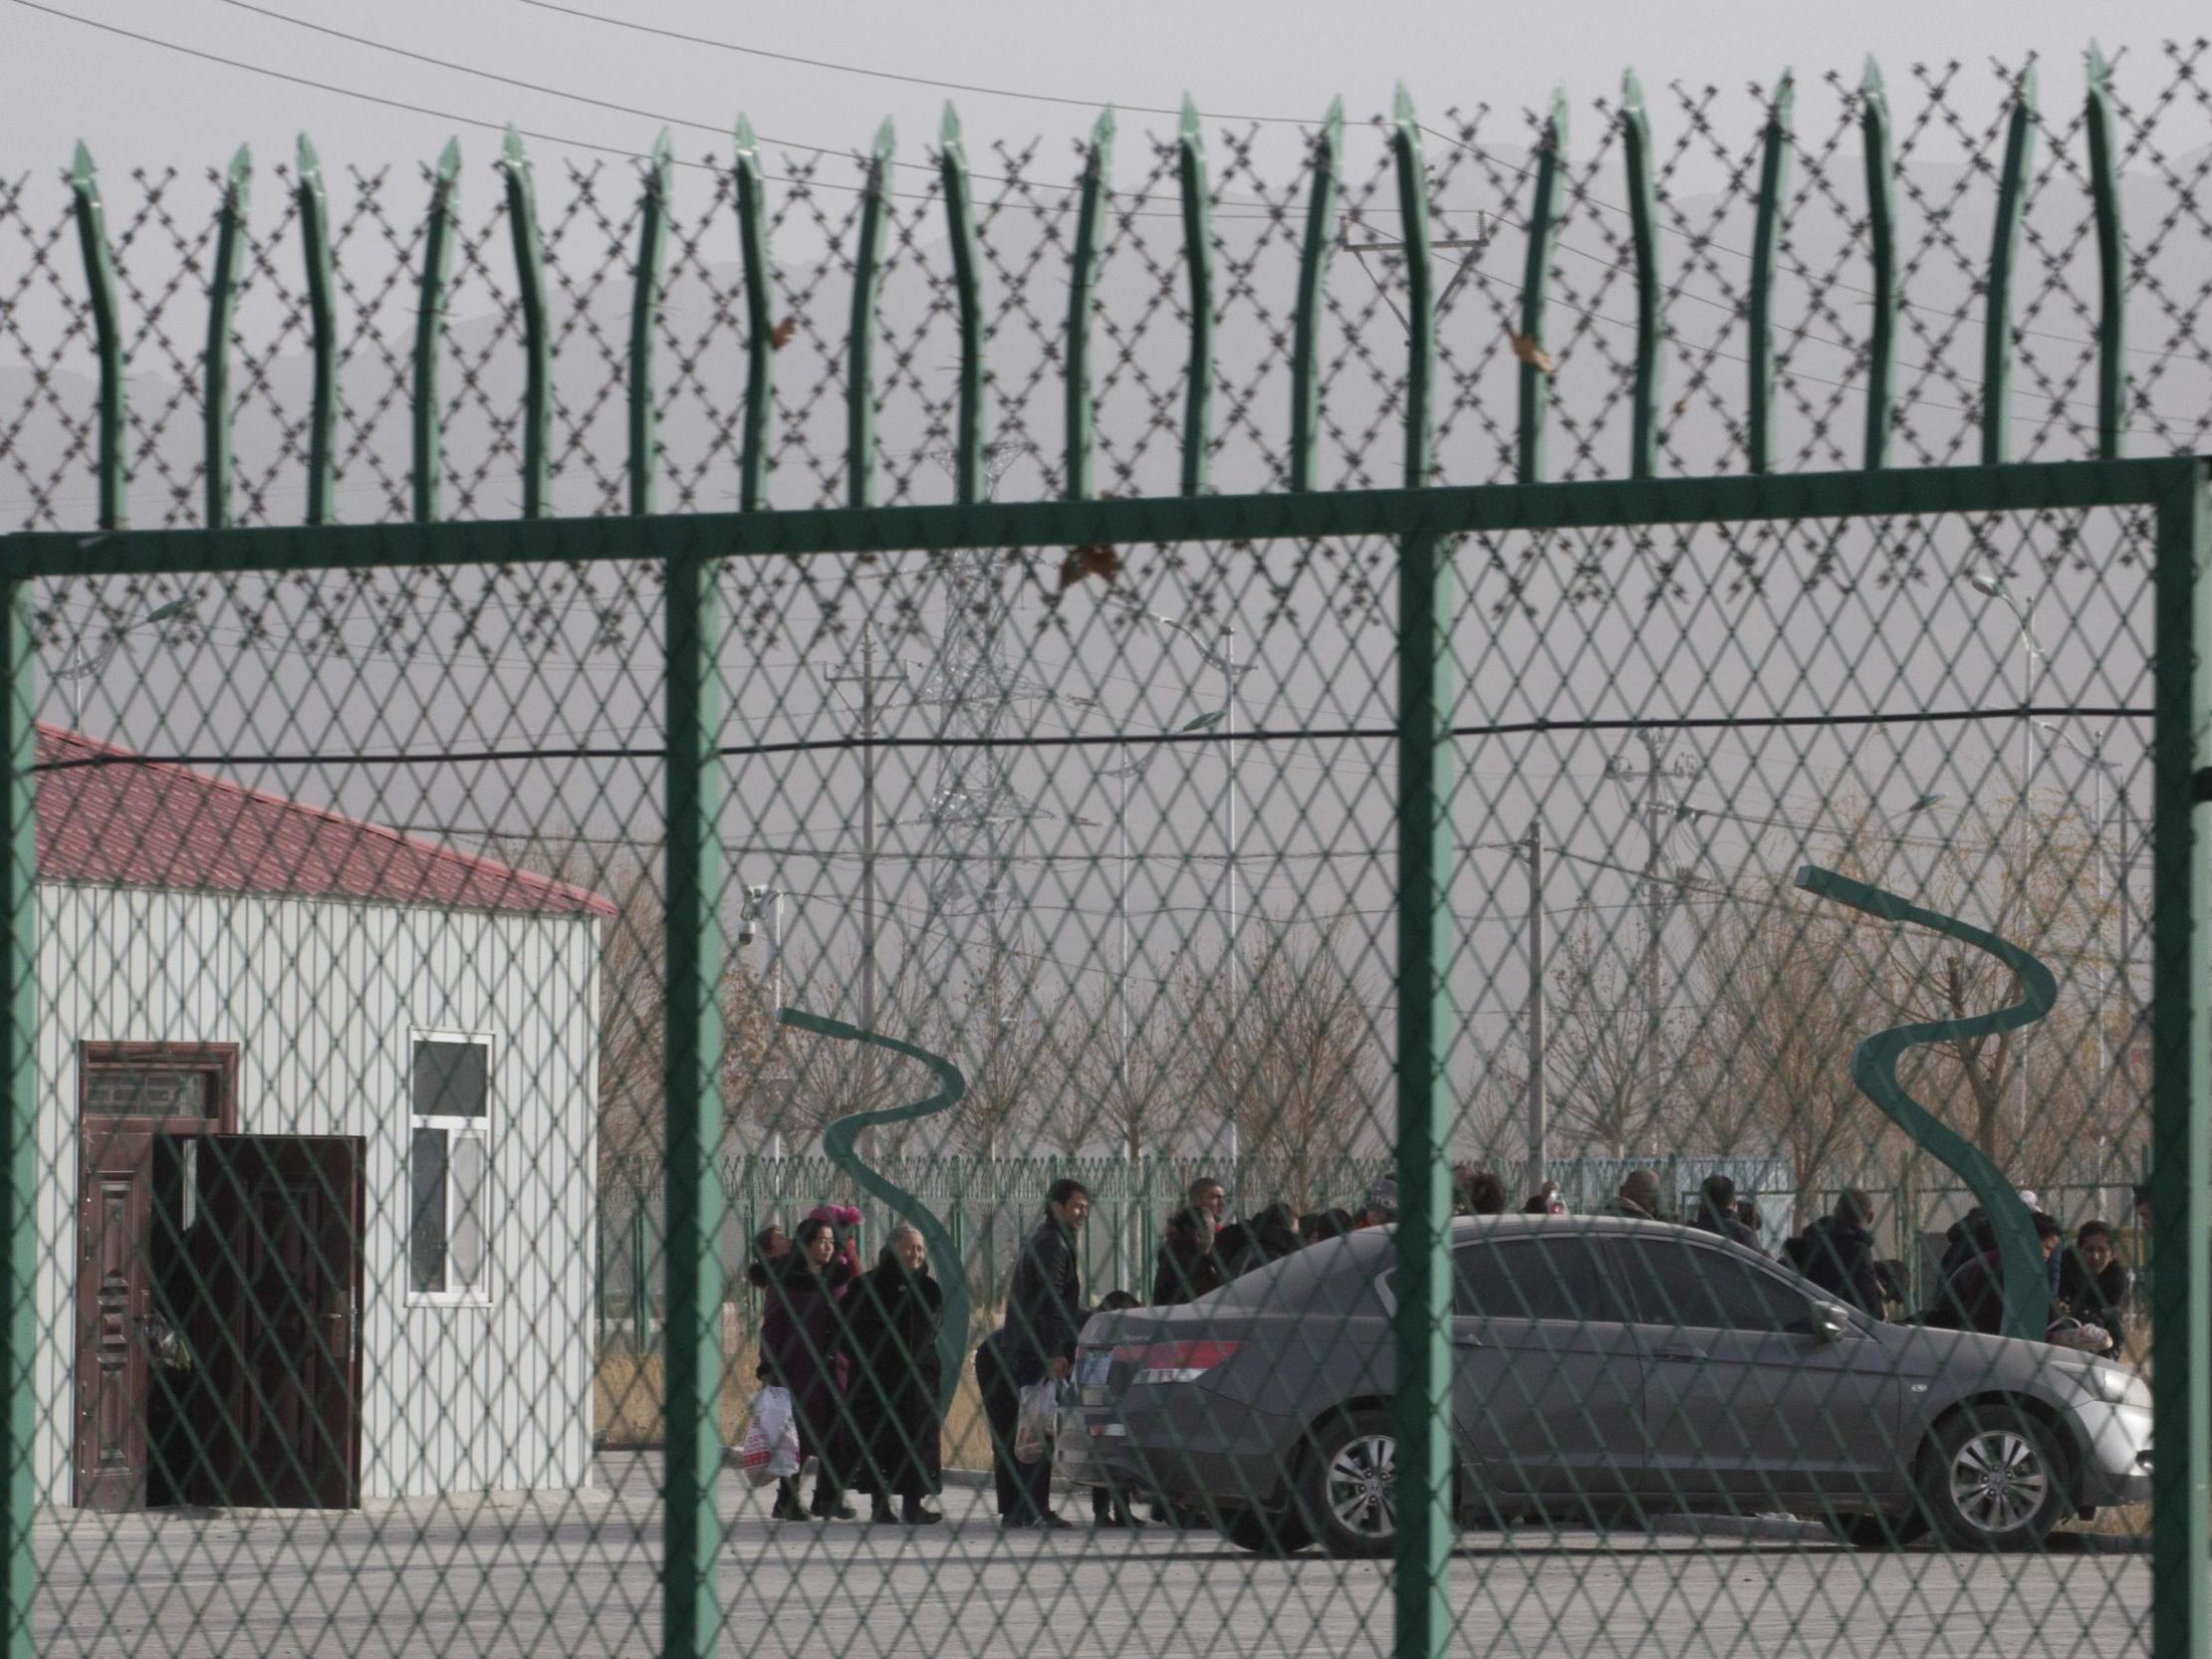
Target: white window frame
(483, 1131)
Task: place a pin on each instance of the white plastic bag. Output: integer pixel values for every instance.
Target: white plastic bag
(771, 1449)
(2079, 1335)
(1033, 1429)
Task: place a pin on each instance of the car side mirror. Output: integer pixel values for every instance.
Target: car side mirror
(1829, 1323)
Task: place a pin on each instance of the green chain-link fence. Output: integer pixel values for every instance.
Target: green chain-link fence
(1382, 746)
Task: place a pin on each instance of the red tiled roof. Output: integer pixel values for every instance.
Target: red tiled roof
(105, 815)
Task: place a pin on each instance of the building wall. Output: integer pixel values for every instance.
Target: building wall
(321, 999)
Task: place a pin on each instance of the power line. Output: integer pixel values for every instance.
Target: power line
(1466, 146)
(718, 128)
(890, 75)
(805, 746)
(503, 126)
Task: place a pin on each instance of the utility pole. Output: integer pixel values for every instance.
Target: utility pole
(766, 904)
(1538, 1127)
(1659, 813)
(866, 681)
(1655, 833)
(868, 827)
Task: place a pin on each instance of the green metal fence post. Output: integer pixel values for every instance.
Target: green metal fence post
(760, 341)
(2004, 247)
(1774, 185)
(321, 280)
(1535, 281)
(1313, 288)
(640, 1284)
(19, 1009)
(222, 309)
(2181, 1073)
(530, 298)
(697, 953)
(644, 319)
(1426, 1108)
(860, 349)
(99, 282)
(1882, 339)
(2112, 263)
(967, 260)
(437, 267)
(1644, 226)
(1424, 1398)
(1190, 174)
(1082, 282)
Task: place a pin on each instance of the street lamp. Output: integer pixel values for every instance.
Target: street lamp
(1990, 585)
(764, 901)
(81, 665)
(1225, 716)
(1132, 769)
(2093, 756)
(1224, 659)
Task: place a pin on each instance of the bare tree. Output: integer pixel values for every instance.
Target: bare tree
(1609, 1072)
(1787, 1000)
(1791, 985)
(808, 1083)
(1124, 1093)
(633, 1002)
(1005, 1050)
(1289, 1056)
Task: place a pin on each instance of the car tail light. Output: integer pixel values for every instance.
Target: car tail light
(1172, 1361)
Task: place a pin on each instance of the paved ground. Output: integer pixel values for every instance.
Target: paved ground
(546, 1579)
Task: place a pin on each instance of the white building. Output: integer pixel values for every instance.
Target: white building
(318, 1109)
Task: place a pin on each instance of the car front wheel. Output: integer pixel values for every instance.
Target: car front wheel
(1992, 1479)
(1349, 1485)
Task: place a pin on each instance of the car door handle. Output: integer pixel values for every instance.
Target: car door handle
(1466, 1341)
(1681, 1357)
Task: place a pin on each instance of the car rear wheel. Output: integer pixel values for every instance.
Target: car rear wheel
(1348, 1484)
(1264, 1533)
(1992, 1481)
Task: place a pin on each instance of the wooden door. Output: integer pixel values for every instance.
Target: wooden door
(278, 1326)
(130, 1097)
(115, 1300)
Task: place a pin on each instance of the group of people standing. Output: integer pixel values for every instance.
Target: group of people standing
(2088, 1285)
(856, 1350)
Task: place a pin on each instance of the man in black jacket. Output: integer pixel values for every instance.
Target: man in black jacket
(1044, 1316)
(1716, 1213)
(1973, 1299)
(1188, 1266)
(1838, 1254)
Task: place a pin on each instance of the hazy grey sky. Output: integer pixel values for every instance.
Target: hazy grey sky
(138, 104)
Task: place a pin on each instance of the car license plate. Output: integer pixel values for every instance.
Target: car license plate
(1095, 1368)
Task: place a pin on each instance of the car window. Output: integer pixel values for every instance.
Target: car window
(1531, 1279)
(1678, 1284)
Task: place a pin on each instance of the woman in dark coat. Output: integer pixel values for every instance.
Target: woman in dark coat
(801, 1335)
(894, 1313)
(1188, 1266)
(2095, 1282)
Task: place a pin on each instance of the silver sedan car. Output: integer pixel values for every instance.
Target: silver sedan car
(1604, 1369)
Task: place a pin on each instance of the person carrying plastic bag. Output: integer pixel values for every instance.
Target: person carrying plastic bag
(1044, 1315)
